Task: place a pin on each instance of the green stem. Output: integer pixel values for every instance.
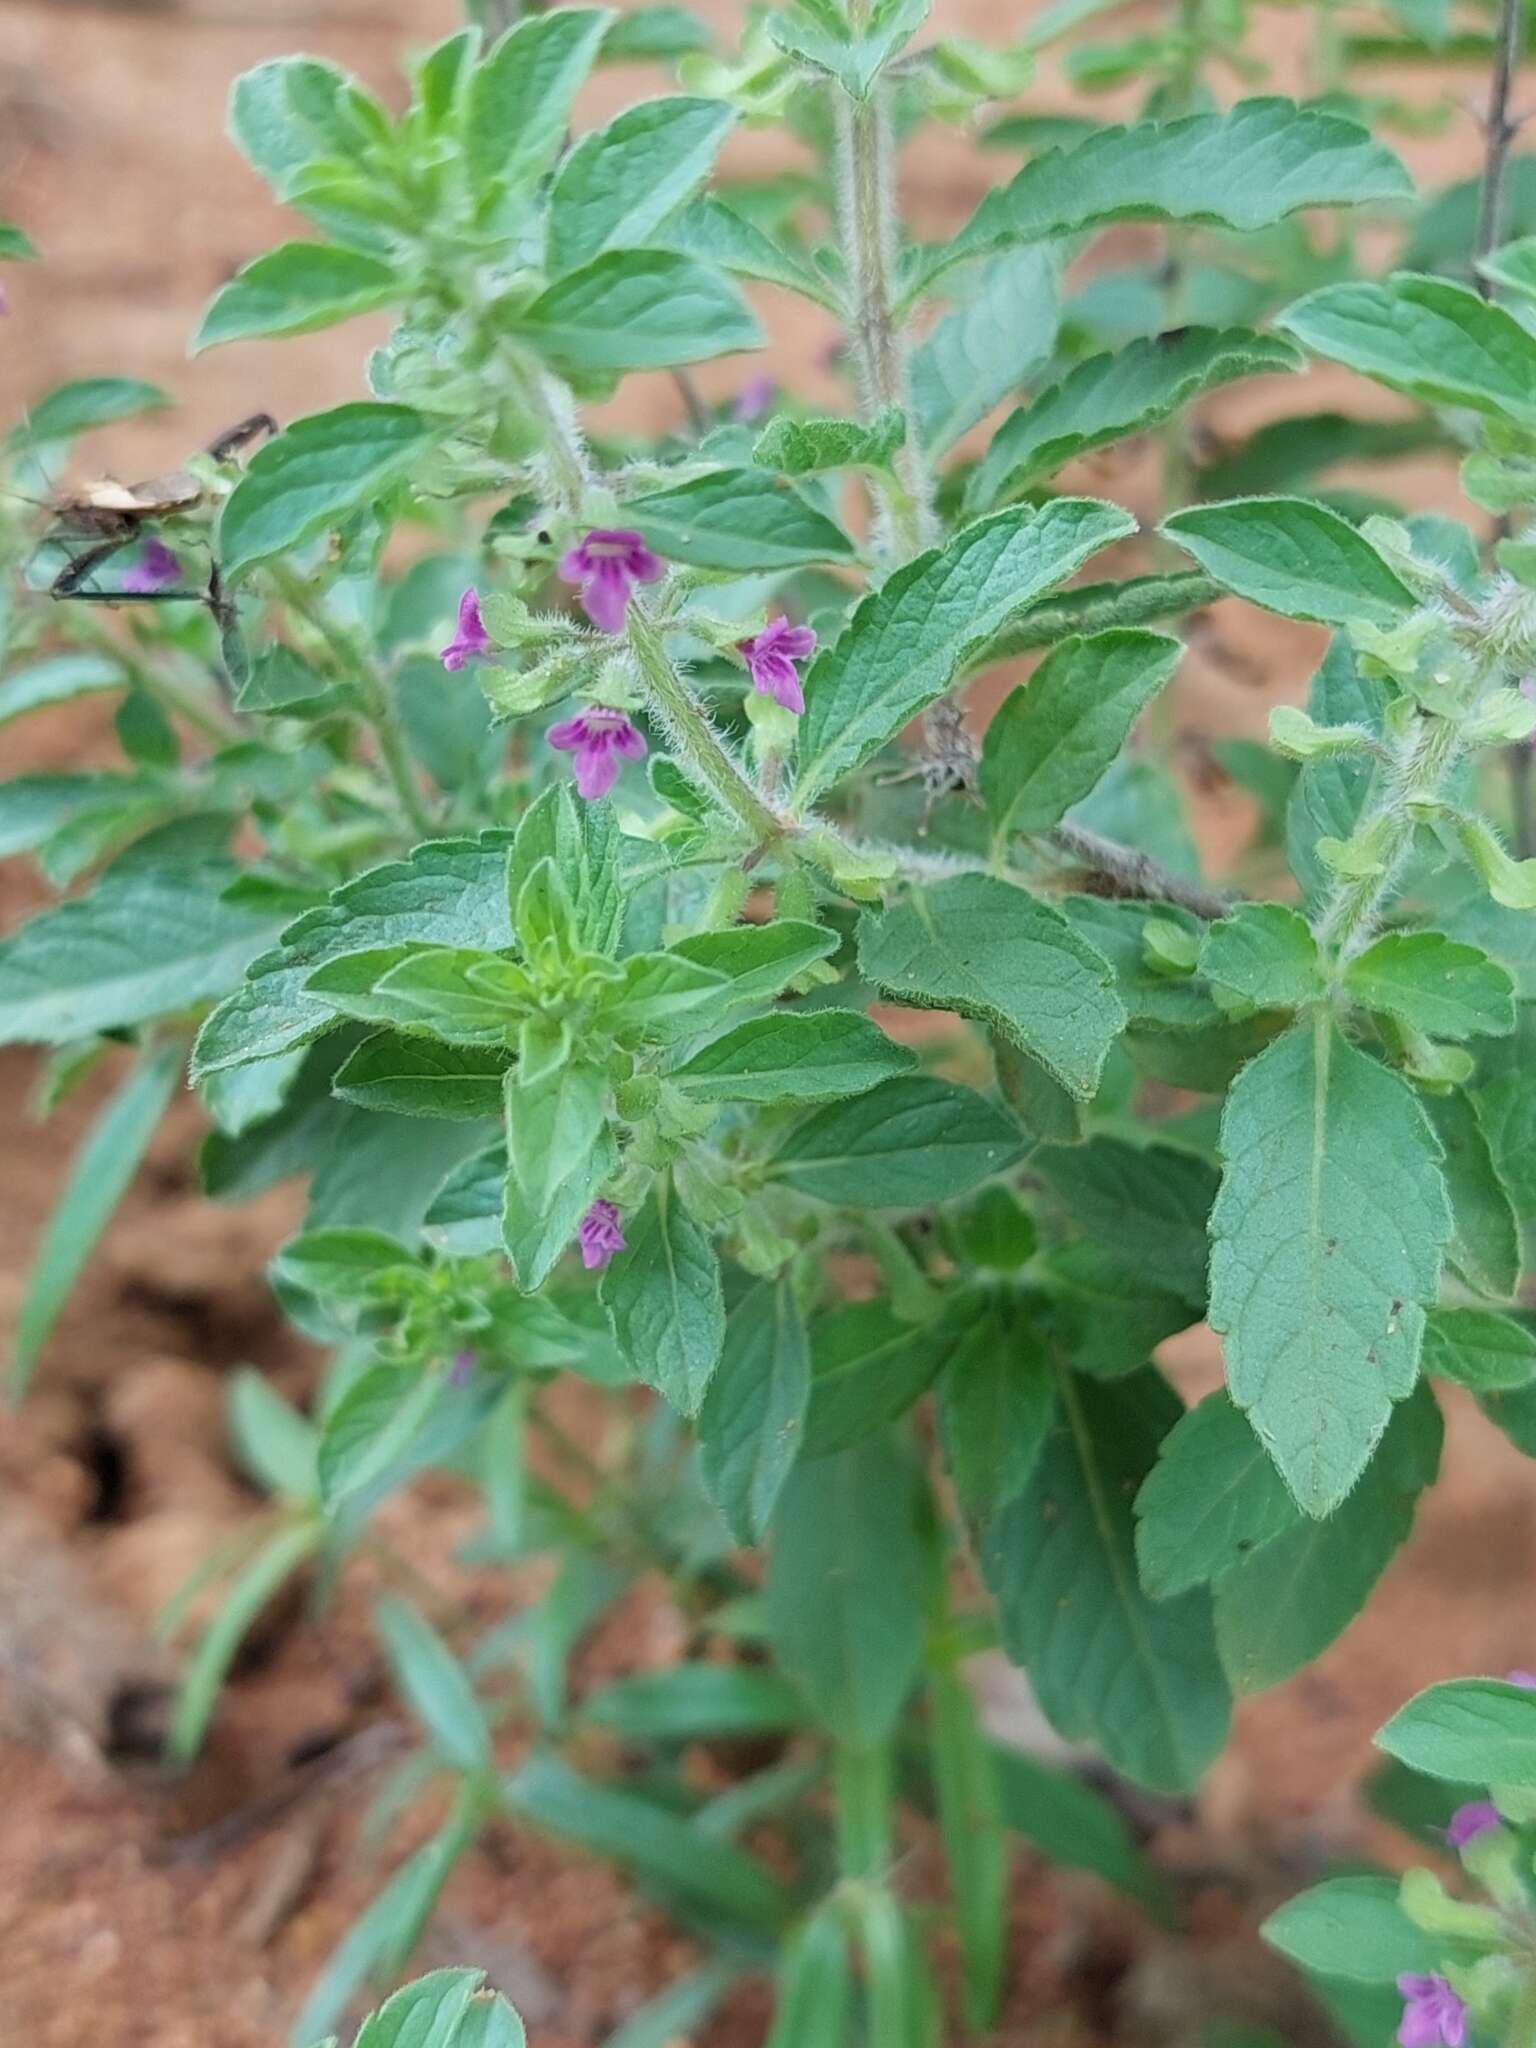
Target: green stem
(378, 706)
(549, 405)
(208, 717)
(1421, 766)
(862, 1785)
(703, 756)
(867, 215)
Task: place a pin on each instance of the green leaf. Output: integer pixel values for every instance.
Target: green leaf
(997, 1402)
(1478, 1349)
(253, 1588)
(1140, 1678)
(1266, 159)
(560, 1153)
(759, 960)
(1112, 396)
(1001, 330)
(722, 239)
(1352, 1927)
(744, 520)
(843, 1607)
(823, 38)
(753, 1413)
(275, 1443)
(905, 1144)
(664, 1301)
(1480, 1730)
(1326, 1245)
(15, 245)
(1073, 1826)
(810, 447)
(1050, 742)
(417, 1076)
(1434, 984)
(868, 1366)
(313, 474)
(288, 115)
(388, 1930)
(981, 946)
(620, 182)
(57, 680)
(678, 2011)
(370, 1428)
(794, 1056)
(638, 309)
(148, 940)
(520, 97)
(1262, 957)
(426, 2014)
(813, 1986)
(72, 409)
(296, 289)
(1506, 1110)
(695, 1702)
(1331, 792)
(1212, 1499)
(449, 892)
(341, 1264)
(907, 642)
(1285, 1603)
(646, 1839)
(1294, 557)
(434, 1685)
(1486, 1247)
(1434, 340)
(1147, 1205)
(98, 1179)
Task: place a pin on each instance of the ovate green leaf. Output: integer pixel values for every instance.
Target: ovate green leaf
(1292, 556)
(907, 641)
(664, 1301)
(1326, 1246)
(1434, 984)
(980, 946)
(1212, 1499)
(313, 474)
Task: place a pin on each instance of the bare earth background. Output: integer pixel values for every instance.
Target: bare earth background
(135, 1911)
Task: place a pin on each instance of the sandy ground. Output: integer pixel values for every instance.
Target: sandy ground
(133, 1910)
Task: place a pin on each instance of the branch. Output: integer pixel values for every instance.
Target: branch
(1134, 874)
(1498, 131)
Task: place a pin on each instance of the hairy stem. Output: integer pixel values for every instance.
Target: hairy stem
(550, 406)
(867, 215)
(1420, 769)
(378, 704)
(702, 754)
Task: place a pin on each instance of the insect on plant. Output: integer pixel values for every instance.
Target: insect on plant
(540, 840)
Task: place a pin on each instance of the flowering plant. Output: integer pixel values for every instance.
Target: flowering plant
(540, 842)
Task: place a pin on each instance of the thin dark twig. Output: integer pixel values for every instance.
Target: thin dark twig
(1135, 874)
(698, 412)
(1498, 132)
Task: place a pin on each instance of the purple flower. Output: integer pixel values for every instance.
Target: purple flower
(607, 565)
(471, 641)
(771, 657)
(1472, 1820)
(753, 399)
(599, 739)
(462, 1370)
(1523, 1678)
(599, 1236)
(156, 569)
(1433, 2016)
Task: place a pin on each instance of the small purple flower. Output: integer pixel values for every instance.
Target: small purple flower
(771, 656)
(471, 641)
(462, 1370)
(155, 570)
(1433, 2016)
(600, 1236)
(607, 565)
(1527, 1679)
(1472, 1820)
(753, 399)
(599, 739)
